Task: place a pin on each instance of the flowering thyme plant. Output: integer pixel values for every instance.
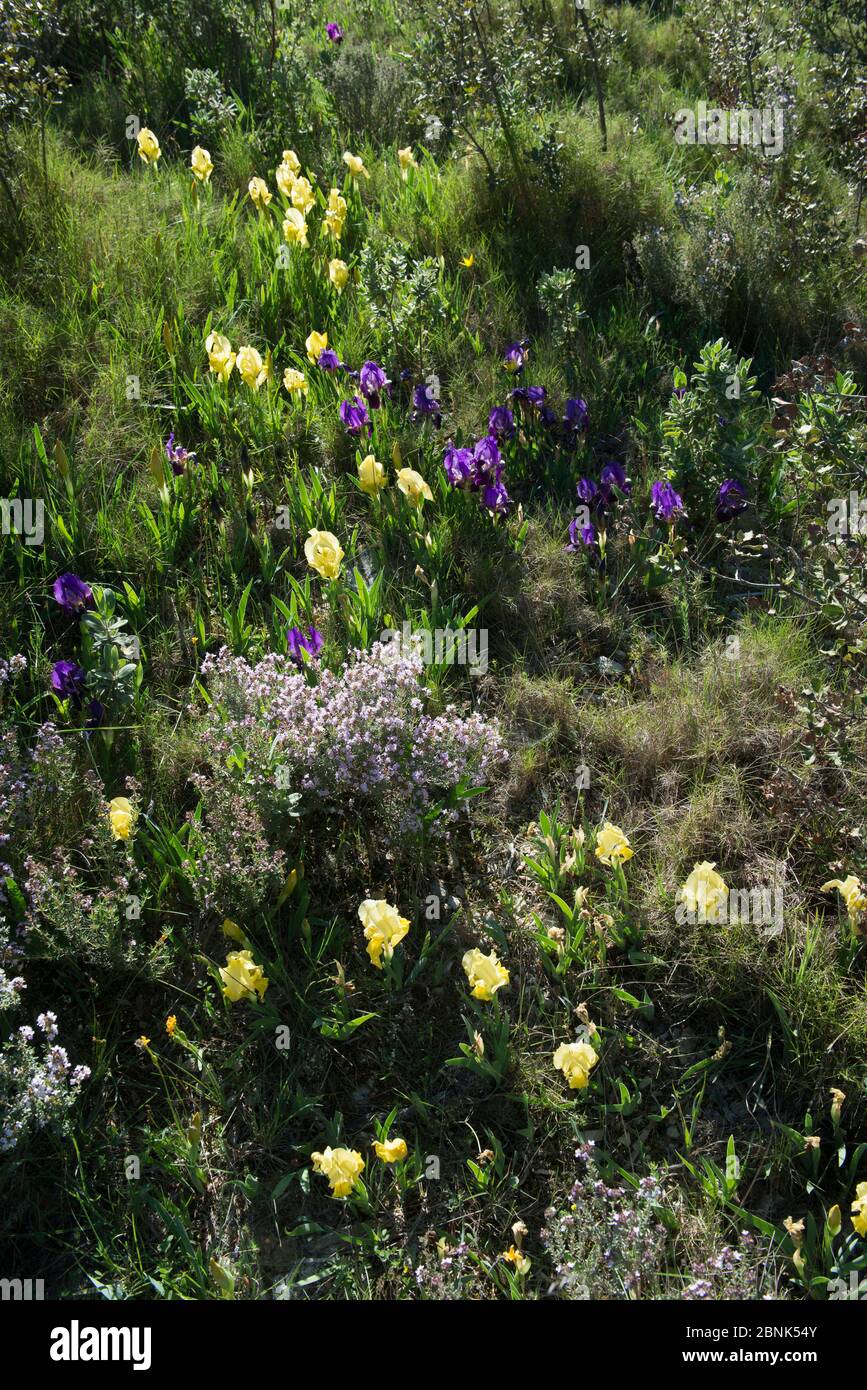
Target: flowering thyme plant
(38, 1084)
(356, 742)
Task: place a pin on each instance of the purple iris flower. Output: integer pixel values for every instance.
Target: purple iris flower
(298, 643)
(731, 500)
(529, 395)
(601, 498)
(373, 381)
(501, 422)
(665, 501)
(575, 417)
(614, 475)
(581, 536)
(177, 456)
(328, 360)
(487, 461)
(334, 32)
(354, 416)
(423, 404)
(95, 714)
(680, 392)
(72, 593)
(495, 497)
(458, 464)
(515, 356)
(67, 681)
(548, 417)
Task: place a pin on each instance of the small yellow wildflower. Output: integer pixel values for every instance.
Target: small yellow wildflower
(518, 1259)
(342, 1168)
(302, 195)
(295, 228)
(853, 893)
(795, 1229)
(148, 146)
(251, 368)
(612, 846)
(294, 381)
(201, 164)
(485, 973)
(576, 1060)
(406, 161)
(221, 358)
(371, 476)
(335, 213)
(355, 165)
(338, 274)
(391, 1150)
(413, 486)
(121, 817)
(285, 177)
(704, 892)
(859, 1209)
(315, 344)
(260, 194)
(242, 977)
(324, 553)
(384, 928)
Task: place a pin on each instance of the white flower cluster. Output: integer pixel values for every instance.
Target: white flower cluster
(38, 1083)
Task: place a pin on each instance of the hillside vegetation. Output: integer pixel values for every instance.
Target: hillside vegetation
(432, 763)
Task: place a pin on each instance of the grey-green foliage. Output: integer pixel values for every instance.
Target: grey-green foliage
(709, 432)
(558, 296)
(112, 655)
(211, 109)
(30, 80)
(404, 296)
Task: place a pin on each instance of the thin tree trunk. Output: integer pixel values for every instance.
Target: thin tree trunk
(505, 123)
(7, 189)
(273, 53)
(597, 76)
